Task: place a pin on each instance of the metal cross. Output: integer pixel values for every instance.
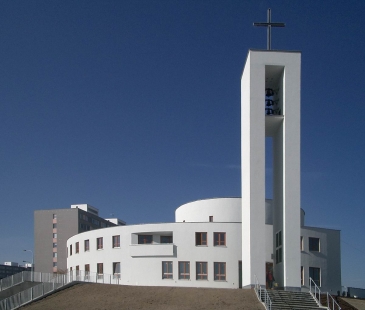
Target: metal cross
(269, 24)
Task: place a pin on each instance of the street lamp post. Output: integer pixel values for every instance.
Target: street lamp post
(32, 267)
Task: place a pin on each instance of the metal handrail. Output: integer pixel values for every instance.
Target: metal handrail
(334, 304)
(262, 294)
(316, 291)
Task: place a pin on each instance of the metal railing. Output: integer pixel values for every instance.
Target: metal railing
(49, 283)
(262, 294)
(331, 303)
(316, 293)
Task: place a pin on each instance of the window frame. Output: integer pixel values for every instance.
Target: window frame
(167, 270)
(218, 275)
(86, 245)
(184, 270)
(311, 275)
(99, 243)
(168, 239)
(199, 238)
(201, 274)
(77, 247)
(116, 275)
(314, 244)
(217, 238)
(116, 241)
(143, 238)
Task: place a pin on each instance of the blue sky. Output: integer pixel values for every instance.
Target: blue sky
(134, 108)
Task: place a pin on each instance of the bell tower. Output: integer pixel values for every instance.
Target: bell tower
(270, 108)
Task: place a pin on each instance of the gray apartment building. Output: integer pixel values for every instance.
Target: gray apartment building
(53, 227)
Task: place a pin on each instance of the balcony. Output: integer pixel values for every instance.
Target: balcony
(148, 250)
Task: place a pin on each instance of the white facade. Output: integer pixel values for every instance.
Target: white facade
(142, 264)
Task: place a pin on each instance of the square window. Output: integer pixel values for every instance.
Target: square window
(116, 241)
(219, 271)
(99, 243)
(165, 239)
(77, 247)
(201, 238)
(314, 244)
(167, 270)
(219, 238)
(201, 270)
(116, 270)
(315, 274)
(184, 270)
(86, 245)
(144, 239)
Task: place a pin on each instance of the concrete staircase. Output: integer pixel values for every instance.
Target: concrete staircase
(286, 300)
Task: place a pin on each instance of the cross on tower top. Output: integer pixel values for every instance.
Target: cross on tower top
(269, 24)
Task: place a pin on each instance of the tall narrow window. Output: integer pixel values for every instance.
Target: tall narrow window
(77, 247)
(87, 245)
(314, 244)
(184, 270)
(116, 241)
(201, 270)
(70, 249)
(167, 270)
(219, 238)
(211, 218)
(301, 243)
(99, 243)
(100, 269)
(219, 271)
(87, 271)
(301, 275)
(116, 270)
(279, 248)
(315, 274)
(201, 238)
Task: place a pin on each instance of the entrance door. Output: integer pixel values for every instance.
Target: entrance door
(269, 266)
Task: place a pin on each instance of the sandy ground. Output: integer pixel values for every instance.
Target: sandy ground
(104, 296)
(359, 304)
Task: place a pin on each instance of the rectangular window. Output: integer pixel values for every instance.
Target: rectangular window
(54, 254)
(301, 243)
(219, 238)
(54, 245)
(116, 241)
(54, 264)
(77, 248)
(54, 225)
(54, 235)
(99, 243)
(219, 271)
(165, 239)
(87, 271)
(211, 218)
(86, 245)
(54, 216)
(314, 244)
(315, 274)
(302, 275)
(279, 255)
(116, 270)
(144, 239)
(70, 249)
(278, 239)
(100, 268)
(184, 270)
(167, 270)
(201, 270)
(201, 238)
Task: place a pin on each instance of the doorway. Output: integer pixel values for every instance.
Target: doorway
(269, 266)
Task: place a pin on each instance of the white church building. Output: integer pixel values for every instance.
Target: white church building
(232, 242)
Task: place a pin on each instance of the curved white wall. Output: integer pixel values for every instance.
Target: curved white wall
(222, 210)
